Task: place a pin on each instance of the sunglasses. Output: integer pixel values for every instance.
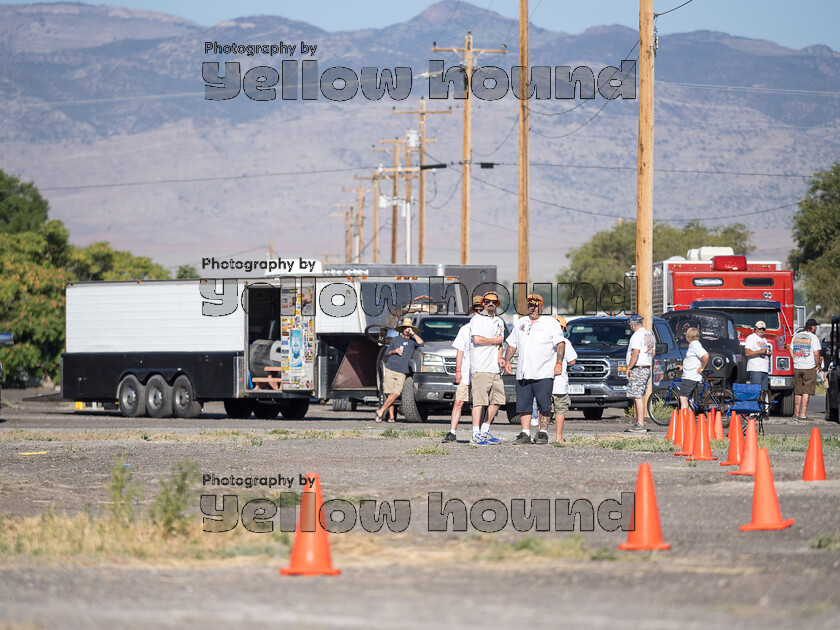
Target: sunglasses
(491, 301)
(477, 307)
(761, 329)
(534, 304)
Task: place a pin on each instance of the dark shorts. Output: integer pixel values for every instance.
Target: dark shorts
(529, 389)
(759, 378)
(688, 387)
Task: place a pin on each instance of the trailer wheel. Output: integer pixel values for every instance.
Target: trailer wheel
(239, 408)
(266, 411)
(341, 404)
(294, 409)
(184, 404)
(593, 413)
(132, 397)
(158, 397)
(786, 403)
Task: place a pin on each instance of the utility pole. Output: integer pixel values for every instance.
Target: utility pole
(644, 184)
(360, 214)
(466, 160)
(421, 237)
(394, 211)
(524, 255)
(375, 179)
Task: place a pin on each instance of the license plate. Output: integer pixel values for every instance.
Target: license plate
(777, 382)
(577, 389)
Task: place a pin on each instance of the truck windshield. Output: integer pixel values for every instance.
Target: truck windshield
(614, 334)
(438, 329)
(747, 317)
(710, 326)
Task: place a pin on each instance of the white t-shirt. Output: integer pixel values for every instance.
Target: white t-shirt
(643, 341)
(756, 344)
(693, 360)
(485, 358)
(561, 381)
(803, 346)
(536, 342)
(463, 342)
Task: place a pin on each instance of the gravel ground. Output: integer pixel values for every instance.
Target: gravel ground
(713, 575)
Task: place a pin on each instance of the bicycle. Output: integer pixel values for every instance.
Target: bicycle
(663, 400)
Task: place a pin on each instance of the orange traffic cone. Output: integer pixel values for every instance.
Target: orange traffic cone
(814, 463)
(718, 426)
(311, 549)
(679, 428)
(645, 533)
(748, 455)
(766, 513)
(688, 435)
(736, 441)
(672, 425)
(702, 446)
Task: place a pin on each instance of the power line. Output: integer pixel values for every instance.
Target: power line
(659, 170)
(656, 15)
(515, 123)
(745, 88)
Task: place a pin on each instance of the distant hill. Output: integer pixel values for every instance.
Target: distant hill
(96, 95)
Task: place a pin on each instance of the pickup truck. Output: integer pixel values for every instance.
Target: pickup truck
(831, 361)
(598, 378)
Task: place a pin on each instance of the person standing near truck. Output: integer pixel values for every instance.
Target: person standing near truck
(488, 334)
(640, 352)
(462, 345)
(396, 367)
(696, 359)
(560, 400)
(757, 351)
(806, 348)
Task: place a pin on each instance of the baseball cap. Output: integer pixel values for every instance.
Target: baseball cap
(477, 300)
(534, 297)
(811, 322)
(636, 319)
(562, 321)
(760, 324)
(490, 295)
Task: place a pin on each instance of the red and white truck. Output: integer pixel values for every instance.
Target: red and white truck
(749, 290)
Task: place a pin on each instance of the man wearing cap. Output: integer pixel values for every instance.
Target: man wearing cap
(539, 341)
(640, 352)
(462, 344)
(487, 331)
(397, 359)
(757, 351)
(805, 348)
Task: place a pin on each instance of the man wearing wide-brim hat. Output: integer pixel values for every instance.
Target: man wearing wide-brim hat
(396, 366)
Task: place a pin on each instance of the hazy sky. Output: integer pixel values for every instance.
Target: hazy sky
(792, 24)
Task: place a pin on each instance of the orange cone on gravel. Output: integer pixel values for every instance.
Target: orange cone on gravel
(645, 533)
(814, 462)
(679, 427)
(672, 425)
(749, 451)
(736, 441)
(702, 450)
(718, 426)
(311, 549)
(688, 435)
(766, 513)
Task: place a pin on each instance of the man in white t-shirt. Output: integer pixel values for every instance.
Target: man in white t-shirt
(560, 400)
(488, 334)
(640, 353)
(805, 348)
(541, 346)
(696, 359)
(462, 345)
(758, 351)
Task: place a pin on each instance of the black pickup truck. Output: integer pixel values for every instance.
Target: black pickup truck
(832, 372)
(598, 379)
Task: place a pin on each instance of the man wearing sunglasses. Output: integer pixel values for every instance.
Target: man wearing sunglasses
(462, 344)
(487, 330)
(758, 351)
(541, 346)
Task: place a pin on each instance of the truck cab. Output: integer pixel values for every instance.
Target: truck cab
(831, 362)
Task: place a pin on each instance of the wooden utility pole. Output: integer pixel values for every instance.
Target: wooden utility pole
(421, 228)
(348, 235)
(644, 184)
(394, 212)
(360, 216)
(466, 160)
(524, 255)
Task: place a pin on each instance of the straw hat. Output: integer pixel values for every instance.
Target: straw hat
(406, 323)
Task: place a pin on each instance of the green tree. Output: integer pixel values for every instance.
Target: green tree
(186, 272)
(604, 259)
(100, 262)
(816, 231)
(22, 208)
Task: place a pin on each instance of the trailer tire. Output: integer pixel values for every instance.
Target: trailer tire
(184, 404)
(158, 397)
(410, 409)
(266, 411)
(593, 413)
(132, 397)
(239, 408)
(343, 404)
(294, 409)
(786, 403)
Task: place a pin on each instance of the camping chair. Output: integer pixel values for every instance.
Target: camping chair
(751, 400)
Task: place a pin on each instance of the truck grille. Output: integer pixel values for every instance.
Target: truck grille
(449, 365)
(592, 368)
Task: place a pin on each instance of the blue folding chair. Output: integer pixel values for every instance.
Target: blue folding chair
(751, 401)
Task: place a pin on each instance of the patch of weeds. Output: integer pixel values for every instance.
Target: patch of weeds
(691, 463)
(390, 432)
(256, 441)
(145, 436)
(173, 499)
(570, 547)
(394, 432)
(123, 493)
(428, 450)
(828, 542)
(783, 443)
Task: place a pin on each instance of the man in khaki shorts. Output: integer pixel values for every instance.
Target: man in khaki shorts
(488, 335)
(396, 366)
(560, 400)
(462, 344)
(805, 348)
